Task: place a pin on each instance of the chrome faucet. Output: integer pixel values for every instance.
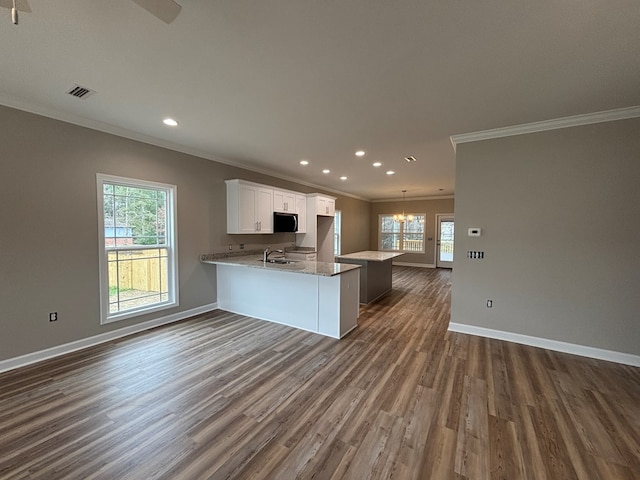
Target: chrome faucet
(267, 252)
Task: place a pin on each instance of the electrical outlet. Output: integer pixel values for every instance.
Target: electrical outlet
(489, 303)
(53, 317)
(230, 246)
(242, 246)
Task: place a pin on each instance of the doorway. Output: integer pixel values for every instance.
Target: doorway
(444, 243)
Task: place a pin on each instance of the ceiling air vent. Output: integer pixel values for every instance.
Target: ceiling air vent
(80, 92)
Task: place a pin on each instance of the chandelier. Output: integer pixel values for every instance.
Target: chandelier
(401, 217)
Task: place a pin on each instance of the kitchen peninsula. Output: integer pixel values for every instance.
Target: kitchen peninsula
(375, 274)
(319, 297)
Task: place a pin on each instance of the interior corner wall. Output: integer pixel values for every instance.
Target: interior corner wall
(560, 218)
(49, 227)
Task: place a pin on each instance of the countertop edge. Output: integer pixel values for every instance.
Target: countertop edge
(370, 256)
(323, 269)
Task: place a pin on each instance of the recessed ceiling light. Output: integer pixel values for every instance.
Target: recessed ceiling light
(390, 172)
(360, 153)
(343, 178)
(377, 164)
(304, 162)
(170, 122)
(326, 170)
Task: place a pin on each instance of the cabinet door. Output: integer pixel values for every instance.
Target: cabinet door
(331, 207)
(325, 206)
(278, 201)
(289, 202)
(321, 205)
(284, 201)
(301, 210)
(264, 210)
(247, 201)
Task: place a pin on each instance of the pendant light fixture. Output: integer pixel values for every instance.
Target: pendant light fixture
(401, 217)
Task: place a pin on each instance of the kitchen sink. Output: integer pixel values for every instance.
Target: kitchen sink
(280, 261)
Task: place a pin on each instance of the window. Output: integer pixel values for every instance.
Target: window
(402, 236)
(137, 247)
(337, 232)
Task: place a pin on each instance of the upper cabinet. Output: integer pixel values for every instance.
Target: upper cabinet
(249, 207)
(284, 201)
(301, 210)
(324, 205)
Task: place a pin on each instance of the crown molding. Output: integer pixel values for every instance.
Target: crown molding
(408, 199)
(158, 142)
(565, 122)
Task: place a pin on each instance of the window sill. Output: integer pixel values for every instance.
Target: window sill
(137, 312)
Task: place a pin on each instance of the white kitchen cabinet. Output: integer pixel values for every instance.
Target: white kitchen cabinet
(320, 226)
(328, 305)
(284, 201)
(323, 204)
(249, 207)
(301, 210)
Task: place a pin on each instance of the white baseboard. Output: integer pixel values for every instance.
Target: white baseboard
(408, 264)
(582, 350)
(58, 350)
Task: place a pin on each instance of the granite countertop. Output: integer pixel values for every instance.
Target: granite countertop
(371, 256)
(252, 260)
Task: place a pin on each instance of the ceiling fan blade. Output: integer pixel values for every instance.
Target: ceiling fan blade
(21, 5)
(165, 10)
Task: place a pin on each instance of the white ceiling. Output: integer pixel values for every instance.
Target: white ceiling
(267, 83)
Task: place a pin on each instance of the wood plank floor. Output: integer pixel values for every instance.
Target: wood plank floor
(225, 396)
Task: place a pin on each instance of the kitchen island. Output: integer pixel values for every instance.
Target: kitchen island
(375, 272)
(318, 297)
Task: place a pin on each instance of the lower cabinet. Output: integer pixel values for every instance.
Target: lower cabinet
(328, 305)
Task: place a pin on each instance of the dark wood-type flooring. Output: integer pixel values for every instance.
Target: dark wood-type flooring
(225, 396)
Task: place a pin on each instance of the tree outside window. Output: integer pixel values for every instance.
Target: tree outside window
(137, 247)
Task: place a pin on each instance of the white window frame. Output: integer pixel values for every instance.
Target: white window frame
(401, 233)
(337, 233)
(171, 246)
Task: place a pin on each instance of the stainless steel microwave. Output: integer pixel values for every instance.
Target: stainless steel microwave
(285, 222)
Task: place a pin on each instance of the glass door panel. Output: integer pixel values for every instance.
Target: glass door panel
(444, 245)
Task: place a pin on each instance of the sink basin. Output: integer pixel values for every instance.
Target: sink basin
(280, 261)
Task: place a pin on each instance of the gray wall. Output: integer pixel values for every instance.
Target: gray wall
(49, 235)
(560, 213)
(430, 207)
(356, 218)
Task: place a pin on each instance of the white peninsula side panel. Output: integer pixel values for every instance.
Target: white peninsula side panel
(346, 289)
(323, 304)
